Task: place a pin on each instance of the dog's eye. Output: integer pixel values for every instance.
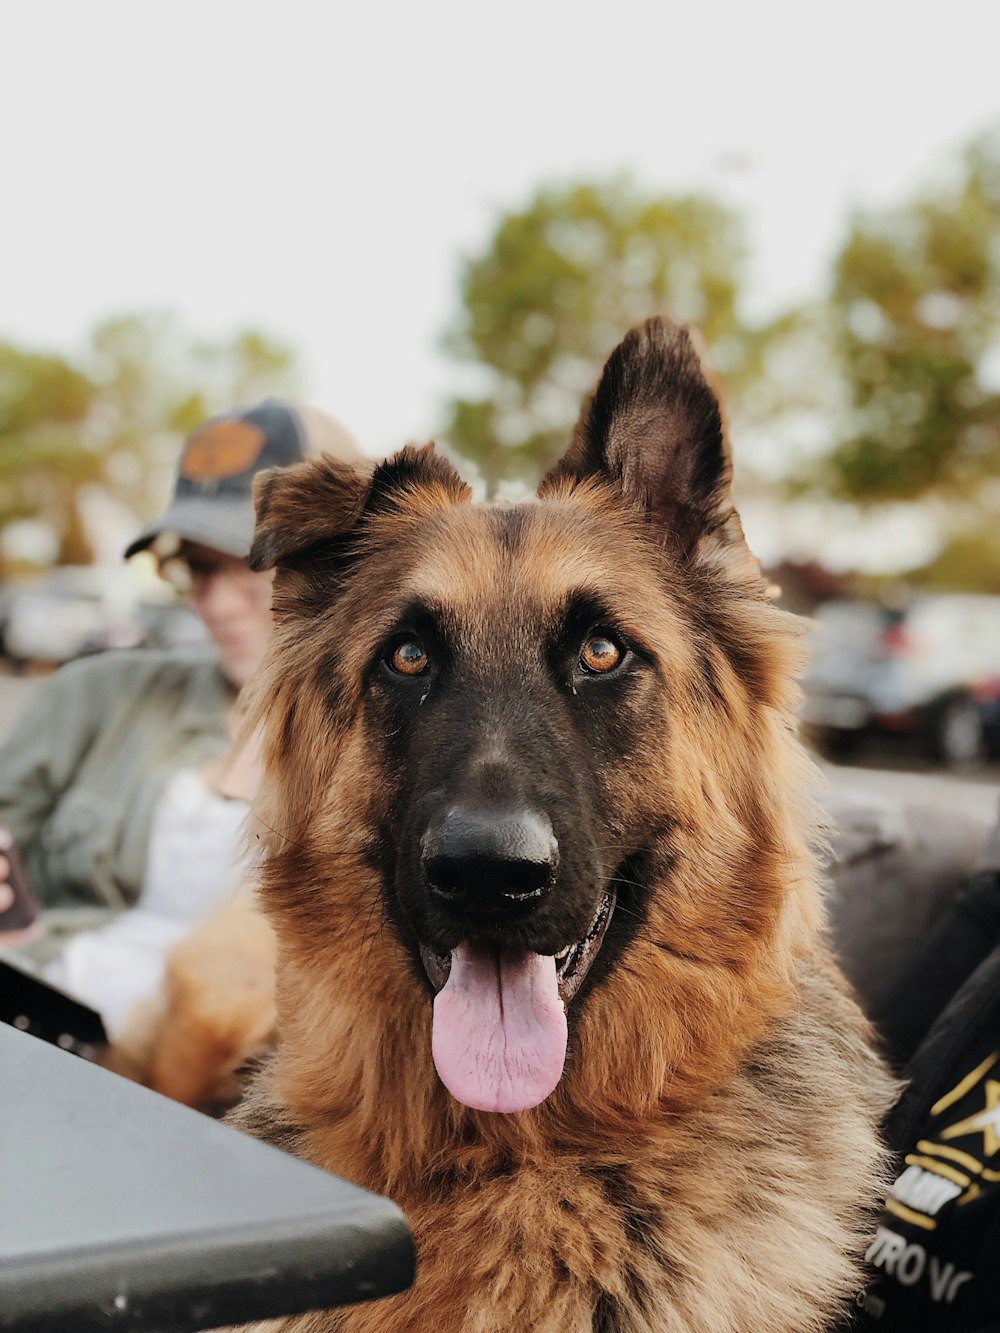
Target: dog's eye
(600, 654)
(409, 658)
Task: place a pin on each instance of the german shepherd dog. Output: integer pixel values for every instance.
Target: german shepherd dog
(542, 880)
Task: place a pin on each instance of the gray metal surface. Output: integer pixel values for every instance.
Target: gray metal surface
(120, 1209)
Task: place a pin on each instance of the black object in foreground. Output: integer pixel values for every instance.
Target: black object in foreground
(33, 1005)
(122, 1210)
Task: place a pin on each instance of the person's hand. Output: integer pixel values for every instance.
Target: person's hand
(10, 939)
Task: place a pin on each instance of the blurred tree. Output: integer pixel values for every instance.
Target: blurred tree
(916, 302)
(968, 559)
(559, 284)
(916, 319)
(116, 419)
(44, 405)
(887, 391)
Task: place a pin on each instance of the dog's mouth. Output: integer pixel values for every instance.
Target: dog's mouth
(499, 1036)
(572, 963)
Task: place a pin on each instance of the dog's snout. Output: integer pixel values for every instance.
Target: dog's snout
(490, 863)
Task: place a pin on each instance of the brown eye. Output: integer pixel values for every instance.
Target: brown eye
(600, 654)
(409, 658)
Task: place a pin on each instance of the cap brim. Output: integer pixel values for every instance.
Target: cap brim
(223, 525)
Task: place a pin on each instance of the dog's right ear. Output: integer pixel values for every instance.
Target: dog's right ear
(654, 430)
(305, 504)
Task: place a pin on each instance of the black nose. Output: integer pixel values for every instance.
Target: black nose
(490, 863)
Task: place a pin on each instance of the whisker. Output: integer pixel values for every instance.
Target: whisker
(277, 832)
(622, 879)
(369, 936)
(355, 854)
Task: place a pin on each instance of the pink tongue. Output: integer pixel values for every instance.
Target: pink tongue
(499, 1038)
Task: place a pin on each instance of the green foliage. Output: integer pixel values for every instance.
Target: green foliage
(916, 311)
(887, 391)
(559, 284)
(115, 420)
(44, 404)
(969, 560)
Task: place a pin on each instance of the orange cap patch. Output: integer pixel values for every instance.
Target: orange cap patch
(223, 449)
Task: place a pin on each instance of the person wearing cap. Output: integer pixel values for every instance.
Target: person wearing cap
(121, 787)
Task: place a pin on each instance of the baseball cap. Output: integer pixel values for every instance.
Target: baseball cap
(212, 503)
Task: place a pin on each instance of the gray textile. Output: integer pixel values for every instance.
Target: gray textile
(895, 866)
(81, 773)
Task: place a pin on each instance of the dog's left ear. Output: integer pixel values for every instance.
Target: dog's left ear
(654, 429)
(320, 501)
(302, 505)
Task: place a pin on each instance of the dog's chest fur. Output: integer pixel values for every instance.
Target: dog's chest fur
(742, 1214)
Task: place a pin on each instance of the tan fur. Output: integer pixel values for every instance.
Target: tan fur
(705, 1162)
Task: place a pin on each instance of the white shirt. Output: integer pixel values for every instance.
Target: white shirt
(195, 859)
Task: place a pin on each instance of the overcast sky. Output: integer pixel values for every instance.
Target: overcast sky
(319, 169)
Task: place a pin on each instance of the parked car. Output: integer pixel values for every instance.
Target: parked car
(919, 669)
(987, 696)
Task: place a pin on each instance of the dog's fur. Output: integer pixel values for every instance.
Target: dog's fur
(706, 1159)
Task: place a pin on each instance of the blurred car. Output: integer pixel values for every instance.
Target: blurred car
(77, 609)
(5, 600)
(987, 696)
(918, 670)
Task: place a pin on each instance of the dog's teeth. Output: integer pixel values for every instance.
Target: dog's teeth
(563, 952)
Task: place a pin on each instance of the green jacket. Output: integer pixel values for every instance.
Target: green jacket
(82, 771)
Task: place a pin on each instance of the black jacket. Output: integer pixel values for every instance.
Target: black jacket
(934, 1259)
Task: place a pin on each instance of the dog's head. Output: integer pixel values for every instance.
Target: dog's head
(544, 729)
